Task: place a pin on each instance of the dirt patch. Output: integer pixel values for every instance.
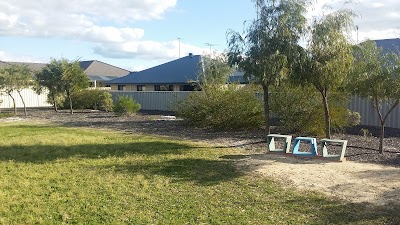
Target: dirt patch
(350, 181)
(367, 176)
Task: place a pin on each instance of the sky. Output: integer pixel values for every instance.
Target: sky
(138, 34)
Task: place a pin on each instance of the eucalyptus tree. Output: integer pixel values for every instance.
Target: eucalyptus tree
(15, 78)
(50, 77)
(329, 57)
(62, 77)
(377, 78)
(73, 79)
(268, 48)
(23, 80)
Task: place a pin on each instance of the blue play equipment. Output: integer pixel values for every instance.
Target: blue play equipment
(313, 146)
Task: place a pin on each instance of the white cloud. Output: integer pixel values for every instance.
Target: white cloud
(375, 19)
(6, 56)
(79, 19)
(149, 50)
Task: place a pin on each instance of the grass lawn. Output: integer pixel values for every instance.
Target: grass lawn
(55, 175)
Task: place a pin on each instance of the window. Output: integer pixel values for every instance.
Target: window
(140, 87)
(187, 87)
(163, 87)
(121, 87)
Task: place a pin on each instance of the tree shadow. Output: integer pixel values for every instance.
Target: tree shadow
(203, 172)
(48, 153)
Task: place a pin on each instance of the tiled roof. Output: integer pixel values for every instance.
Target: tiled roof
(179, 71)
(389, 45)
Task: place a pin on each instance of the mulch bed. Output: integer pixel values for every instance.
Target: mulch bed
(362, 146)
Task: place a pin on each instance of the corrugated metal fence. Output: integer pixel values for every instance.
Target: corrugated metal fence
(154, 100)
(32, 100)
(164, 101)
(370, 117)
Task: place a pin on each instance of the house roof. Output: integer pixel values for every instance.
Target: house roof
(389, 45)
(179, 71)
(238, 77)
(31, 66)
(95, 70)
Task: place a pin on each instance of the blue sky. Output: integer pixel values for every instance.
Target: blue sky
(137, 34)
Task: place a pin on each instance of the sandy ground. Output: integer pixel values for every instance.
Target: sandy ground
(349, 181)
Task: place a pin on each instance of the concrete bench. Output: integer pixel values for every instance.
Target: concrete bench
(287, 139)
(341, 143)
(312, 143)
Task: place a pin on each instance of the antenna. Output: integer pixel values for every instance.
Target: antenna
(209, 45)
(357, 32)
(179, 44)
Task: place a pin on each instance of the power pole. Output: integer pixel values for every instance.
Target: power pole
(209, 45)
(179, 46)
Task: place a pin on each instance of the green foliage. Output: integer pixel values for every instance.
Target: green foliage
(222, 108)
(216, 71)
(376, 77)
(329, 59)
(15, 78)
(62, 77)
(268, 50)
(126, 106)
(300, 110)
(92, 99)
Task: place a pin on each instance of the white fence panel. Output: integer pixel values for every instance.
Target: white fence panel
(32, 100)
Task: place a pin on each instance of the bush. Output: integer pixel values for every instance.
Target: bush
(300, 110)
(92, 99)
(230, 108)
(126, 106)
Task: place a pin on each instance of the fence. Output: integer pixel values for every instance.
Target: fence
(32, 100)
(153, 100)
(164, 101)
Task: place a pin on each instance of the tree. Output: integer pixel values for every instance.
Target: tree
(15, 78)
(268, 49)
(23, 80)
(329, 57)
(50, 77)
(73, 79)
(62, 77)
(377, 78)
(215, 70)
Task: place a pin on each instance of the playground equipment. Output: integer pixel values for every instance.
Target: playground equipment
(313, 149)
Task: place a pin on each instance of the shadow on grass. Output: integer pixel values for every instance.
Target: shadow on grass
(200, 171)
(48, 153)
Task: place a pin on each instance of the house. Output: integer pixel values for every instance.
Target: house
(176, 75)
(98, 72)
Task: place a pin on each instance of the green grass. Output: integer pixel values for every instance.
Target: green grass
(5, 115)
(56, 175)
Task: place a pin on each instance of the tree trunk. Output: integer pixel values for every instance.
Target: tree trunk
(266, 110)
(381, 136)
(15, 107)
(53, 96)
(23, 102)
(70, 102)
(327, 116)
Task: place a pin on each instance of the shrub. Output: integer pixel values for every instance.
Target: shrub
(227, 108)
(300, 110)
(92, 99)
(126, 106)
